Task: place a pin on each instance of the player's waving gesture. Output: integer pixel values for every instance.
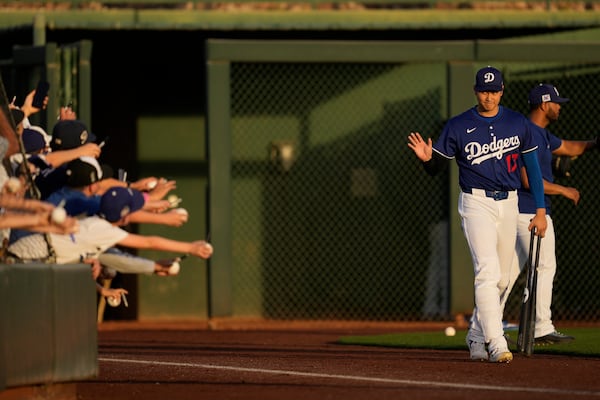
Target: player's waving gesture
(422, 149)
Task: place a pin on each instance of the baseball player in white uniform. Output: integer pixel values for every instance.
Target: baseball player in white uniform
(545, 104)
(486, 141)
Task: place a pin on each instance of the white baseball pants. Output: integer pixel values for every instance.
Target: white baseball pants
(546, 271)
(490, 227)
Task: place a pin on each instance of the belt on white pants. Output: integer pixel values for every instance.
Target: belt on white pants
(492, 194)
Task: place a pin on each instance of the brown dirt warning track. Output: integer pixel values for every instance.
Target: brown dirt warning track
(193, 361)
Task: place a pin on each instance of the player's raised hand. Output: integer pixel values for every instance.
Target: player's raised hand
(422, 149)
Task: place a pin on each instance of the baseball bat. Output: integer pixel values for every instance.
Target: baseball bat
(526, 337)
(531, 338)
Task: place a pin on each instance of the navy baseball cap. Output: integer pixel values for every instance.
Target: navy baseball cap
(69, 134)
(33, 140)
(544, 93)
(84, 171)
(489, 79)
(119, 202)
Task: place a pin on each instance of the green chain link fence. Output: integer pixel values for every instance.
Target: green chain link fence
(578, 273)
(333, 216)
(332, 228)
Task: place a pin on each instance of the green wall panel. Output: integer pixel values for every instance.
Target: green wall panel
(174, 148)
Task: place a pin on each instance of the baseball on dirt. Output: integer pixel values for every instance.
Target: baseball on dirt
(113, 301)
(450, 331)
(59, 215)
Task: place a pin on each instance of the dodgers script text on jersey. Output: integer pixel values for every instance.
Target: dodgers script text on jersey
(478, 152)
(486, 149)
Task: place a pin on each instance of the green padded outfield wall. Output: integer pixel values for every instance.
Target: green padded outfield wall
(48, 330)
(173, 147)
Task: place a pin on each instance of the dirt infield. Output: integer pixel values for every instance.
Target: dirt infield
(195, 361)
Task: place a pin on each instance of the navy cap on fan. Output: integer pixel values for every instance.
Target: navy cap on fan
(118, 202)
(84, 171)
(69, 134)
(33, 141)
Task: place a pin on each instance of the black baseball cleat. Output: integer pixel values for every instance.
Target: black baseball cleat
(554, 338)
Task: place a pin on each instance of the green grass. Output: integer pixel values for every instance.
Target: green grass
(586, 343)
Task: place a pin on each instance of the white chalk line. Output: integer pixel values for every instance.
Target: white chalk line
(360, 378)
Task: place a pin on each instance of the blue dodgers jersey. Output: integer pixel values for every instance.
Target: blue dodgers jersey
(546, 143)
(486, 149)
